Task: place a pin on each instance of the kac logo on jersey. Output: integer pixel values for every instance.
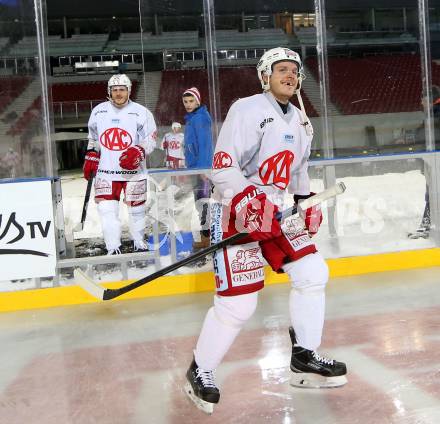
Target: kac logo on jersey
(276, 169)
(174, 145)
(221, 160)
(289, 138)
(115, 139)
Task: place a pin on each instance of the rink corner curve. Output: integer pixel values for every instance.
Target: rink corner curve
(203, 282)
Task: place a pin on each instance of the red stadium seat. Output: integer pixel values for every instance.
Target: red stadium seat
(375, 84)
(234, 83)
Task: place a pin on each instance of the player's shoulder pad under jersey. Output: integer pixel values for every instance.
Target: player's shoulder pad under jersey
(101, 108)
(135, 107)
(251, 107)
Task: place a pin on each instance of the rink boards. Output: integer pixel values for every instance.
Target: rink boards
(199, 282)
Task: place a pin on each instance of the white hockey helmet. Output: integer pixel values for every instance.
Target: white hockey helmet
(119, 79)
(175, 125)
(272, 56)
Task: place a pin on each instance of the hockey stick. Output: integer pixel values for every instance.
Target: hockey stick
(106, 294)
(80, 226)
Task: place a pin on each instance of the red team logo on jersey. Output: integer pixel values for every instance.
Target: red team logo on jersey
(116, 139)
(221, 160)
(246, 260)
(276, 169)
(174, 145)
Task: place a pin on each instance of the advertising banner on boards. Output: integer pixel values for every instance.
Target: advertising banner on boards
(27, 236)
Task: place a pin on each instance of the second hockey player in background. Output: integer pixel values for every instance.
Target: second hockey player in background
(173, 144)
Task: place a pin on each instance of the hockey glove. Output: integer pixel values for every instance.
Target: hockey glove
(132, 157)
(91, 162)
(312, 216)
(253, 213)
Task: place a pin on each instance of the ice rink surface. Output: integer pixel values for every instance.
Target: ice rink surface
(124, 362)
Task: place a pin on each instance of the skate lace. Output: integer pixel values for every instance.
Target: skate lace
(207, 377)
(140, 245)
(114, 252)
(322, 359)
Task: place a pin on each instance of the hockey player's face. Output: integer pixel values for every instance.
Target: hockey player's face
(284, 80)
(190, 103)
(119, 95)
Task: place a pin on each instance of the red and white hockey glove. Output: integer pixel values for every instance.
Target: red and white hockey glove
(91, 162)
(312, 216)
(253, 213)
(132, 157)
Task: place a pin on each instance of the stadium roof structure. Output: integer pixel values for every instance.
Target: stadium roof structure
(123, 8)
(130, 8)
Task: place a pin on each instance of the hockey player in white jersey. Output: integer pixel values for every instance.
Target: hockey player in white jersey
(173, 144)
(121, 134)
(261, 157)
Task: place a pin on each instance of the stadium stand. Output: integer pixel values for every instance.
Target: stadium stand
(68, 99)
(78, 44)
(80, 97)
(260, 38)
(131, 42)
(11, 88)
(69, 92)
(4, 41)
(374, 84)
(28, 119)
(27, 46)
(307, 36)
(234, 83)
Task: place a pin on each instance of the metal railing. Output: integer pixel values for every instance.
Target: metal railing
(75, 109)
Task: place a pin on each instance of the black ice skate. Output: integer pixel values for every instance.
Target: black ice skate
(201, 388)
(311, 370)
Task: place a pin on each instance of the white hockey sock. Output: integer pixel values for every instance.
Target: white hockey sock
(309, 276)
(214, 341)
(306, 309)
(222, 324)
(111, 226)
(137, 222)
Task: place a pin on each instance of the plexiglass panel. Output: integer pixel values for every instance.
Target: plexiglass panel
(375, 82)
(25, 121)
(372, 92)
(384, 205)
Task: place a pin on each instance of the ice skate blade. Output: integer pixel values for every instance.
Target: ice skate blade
(418, 235)
(206, 407)
(316, 381)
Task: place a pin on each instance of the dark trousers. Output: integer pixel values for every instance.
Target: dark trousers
(202, 190)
